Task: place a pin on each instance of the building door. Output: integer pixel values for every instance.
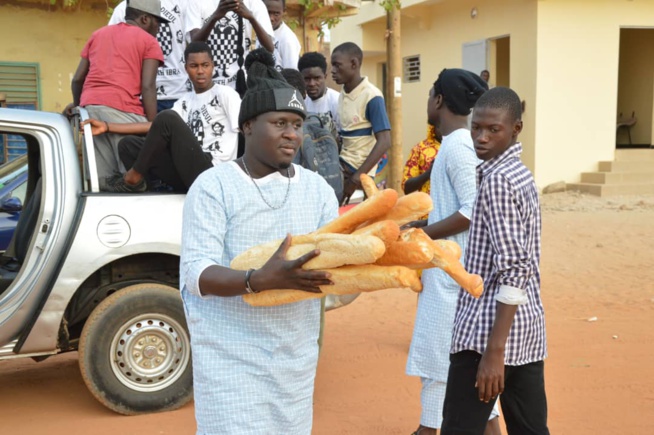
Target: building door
(475, 56)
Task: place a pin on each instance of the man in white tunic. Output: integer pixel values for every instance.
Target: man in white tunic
(254, 367)
(453, 191)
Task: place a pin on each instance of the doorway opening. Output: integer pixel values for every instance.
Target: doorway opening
(635, 111)
(492, 55)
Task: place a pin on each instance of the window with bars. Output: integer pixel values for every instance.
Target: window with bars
(20, 87)
(411, 69)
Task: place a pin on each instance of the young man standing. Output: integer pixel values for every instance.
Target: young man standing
(287, 46)
(453, 191)
(225, 25)
(254, 367)
(171, 78)
(365, 129)
(200, 131)
(320, 100)
(498, 344)
(115, 79)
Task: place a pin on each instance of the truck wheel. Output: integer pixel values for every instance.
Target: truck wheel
(135, 351)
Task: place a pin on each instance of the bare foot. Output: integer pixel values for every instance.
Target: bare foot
(132, 177)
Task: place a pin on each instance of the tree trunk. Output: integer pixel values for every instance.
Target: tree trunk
(393, 86)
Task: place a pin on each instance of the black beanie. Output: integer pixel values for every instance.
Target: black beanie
(268, 92)
(460, 89)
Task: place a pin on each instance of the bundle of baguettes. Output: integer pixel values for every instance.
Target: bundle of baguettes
(364, 250)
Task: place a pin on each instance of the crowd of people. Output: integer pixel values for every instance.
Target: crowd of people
(210, 98)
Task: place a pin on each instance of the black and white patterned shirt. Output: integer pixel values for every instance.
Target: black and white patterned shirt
(504, 248)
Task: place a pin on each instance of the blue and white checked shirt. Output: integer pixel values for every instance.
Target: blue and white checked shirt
(504, 248)
(253, 367)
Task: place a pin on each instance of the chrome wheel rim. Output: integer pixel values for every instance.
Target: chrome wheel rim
(150, 352)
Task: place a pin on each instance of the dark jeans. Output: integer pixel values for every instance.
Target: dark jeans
(523, 401)
(165, 105)
(170, 152)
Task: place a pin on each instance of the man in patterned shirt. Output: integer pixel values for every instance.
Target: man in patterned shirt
(225, 25)
(498, 343)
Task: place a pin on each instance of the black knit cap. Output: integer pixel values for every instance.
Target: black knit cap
(267, 90)
(460, 89)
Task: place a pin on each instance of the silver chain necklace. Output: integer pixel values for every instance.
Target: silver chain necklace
(288, 187)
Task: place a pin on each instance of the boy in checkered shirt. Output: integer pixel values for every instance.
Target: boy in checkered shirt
(498, 342)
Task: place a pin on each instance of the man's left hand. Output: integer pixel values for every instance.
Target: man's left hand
(490, 375)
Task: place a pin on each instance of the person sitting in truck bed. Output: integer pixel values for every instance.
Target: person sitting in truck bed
(200, 131)
(115, 79)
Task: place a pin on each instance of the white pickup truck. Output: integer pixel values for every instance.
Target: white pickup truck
(95, 272)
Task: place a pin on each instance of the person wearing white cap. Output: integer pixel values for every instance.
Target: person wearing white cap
(172, 81)
(115, 79)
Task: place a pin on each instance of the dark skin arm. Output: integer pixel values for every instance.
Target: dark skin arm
(382, 145)
(240, 9)
(148, 88)
(264, 39)
(77, 84)
(100, 127)
(490, 374)
(277, 273)
(415, 183)
(454, 224)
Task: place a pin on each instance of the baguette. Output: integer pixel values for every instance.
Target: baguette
(347, 280)
(368, 184)
(413, 247)
(335, 250)
(387, 231)
(408, 208)
(444, 259)
(377, 205)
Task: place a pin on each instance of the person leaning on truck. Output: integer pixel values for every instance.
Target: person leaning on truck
(119, 67)
(198, 132)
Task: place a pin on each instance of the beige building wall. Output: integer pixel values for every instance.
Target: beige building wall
(437, 33)
(577, 88)
(54, 40)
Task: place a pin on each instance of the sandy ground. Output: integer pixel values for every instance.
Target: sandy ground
(598, 258)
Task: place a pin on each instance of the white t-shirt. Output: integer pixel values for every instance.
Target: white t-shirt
(212, 116)
(171, 77)
(327, 103)
(287, 48)
(223, 39)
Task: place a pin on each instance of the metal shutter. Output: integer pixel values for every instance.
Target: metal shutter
(20, 84)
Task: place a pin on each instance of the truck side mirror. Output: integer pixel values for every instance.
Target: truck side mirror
(11, 205)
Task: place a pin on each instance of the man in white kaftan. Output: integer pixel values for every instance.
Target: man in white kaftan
(253, 367)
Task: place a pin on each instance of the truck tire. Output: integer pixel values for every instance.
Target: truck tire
(135, 351)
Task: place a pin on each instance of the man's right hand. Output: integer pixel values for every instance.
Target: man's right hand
(415, 224)
(97, 126)
(279, 273)
(223, 7)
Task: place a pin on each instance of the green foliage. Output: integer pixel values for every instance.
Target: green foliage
(330, 21)
(390, 4)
